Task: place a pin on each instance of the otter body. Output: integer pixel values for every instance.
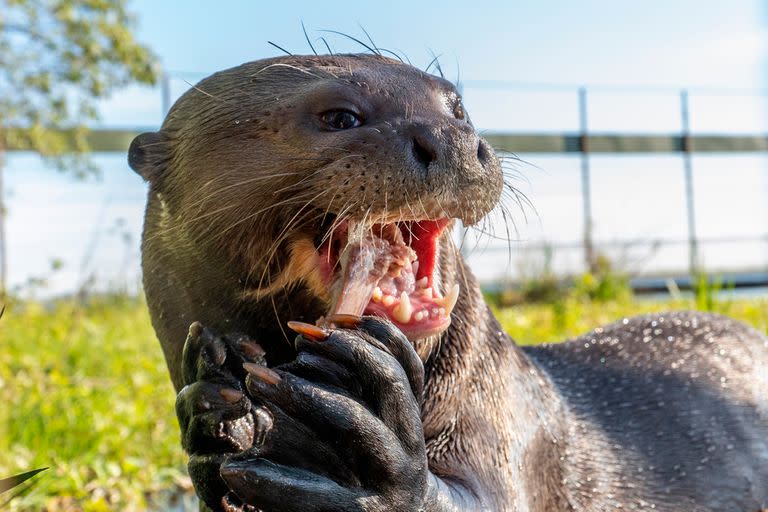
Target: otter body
(253, 175)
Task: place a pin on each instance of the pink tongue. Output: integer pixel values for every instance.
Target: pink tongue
(364, 263)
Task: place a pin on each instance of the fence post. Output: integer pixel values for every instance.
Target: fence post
(461, 231)
(693, 243)
(586, 190)
(165, 92)
(3, 219)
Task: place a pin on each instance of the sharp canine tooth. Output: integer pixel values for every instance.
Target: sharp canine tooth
(377, 294)
(388, 300)
(415, 267)
(427, 293)
(423, 282)
(403, 310)
(450, 299)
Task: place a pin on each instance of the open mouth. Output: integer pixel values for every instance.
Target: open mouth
(388, 270)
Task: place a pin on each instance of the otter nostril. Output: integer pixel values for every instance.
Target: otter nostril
(482, 153)
(422, 152)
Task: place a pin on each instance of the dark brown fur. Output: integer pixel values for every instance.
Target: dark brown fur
(240, 183)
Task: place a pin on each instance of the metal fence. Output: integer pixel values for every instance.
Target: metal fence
(585, 143)
(580, 141)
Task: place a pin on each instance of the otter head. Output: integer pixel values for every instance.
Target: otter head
(339, 175)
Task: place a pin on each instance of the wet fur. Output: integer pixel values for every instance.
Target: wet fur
(635, 413)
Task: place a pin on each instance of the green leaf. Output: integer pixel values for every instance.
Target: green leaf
(57, 59)
(13, 481)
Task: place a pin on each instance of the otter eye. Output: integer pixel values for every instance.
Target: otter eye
(458, 111)
(341, 119)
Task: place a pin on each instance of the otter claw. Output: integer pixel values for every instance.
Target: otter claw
(252, 350)
(309, 331)
(195, 330)
(262, 373)
(344, 321)
(231, 395)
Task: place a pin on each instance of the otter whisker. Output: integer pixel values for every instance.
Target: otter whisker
(314, 173)
(441, 206)
(255, 214)
(394, 54)
(238, 184)
(165, 230)
(432, 62)
(327, 46)
(378, 52)
(198, 89)
(463, 240)
(509, 240)
(508, 217)
(306, 204)
(272, 252)
(277, 313)
(287, 229)
(279, 48)
(304, 29)
(340, 218)
(521, 199)
(375, 52)
(330, 203)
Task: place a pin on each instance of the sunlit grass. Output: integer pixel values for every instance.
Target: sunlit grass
(539, 323)
(85, 390)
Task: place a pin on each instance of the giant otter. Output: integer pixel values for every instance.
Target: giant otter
(312, 189)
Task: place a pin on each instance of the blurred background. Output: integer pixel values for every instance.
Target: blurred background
(635, 133)
(535, 76)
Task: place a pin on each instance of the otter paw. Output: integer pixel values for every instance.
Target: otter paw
(215, 415)
(354, 392)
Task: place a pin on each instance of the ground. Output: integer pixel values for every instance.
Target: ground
(85, 391)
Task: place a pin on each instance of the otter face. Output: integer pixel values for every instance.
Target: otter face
(395, 143)
(340, 173)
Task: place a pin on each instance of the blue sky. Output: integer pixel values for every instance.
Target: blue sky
(653, 47)
(682, 43)
(674, 42)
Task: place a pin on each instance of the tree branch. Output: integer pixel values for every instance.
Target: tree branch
(47, 42)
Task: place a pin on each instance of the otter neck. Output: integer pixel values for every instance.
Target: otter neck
(481, 386)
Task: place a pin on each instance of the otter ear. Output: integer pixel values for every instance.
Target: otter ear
(149, 154)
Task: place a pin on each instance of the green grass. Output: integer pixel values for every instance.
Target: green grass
(85, 390)
(538, 323)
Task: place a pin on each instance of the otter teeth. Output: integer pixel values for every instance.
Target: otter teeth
(402, 312)
(449, 301)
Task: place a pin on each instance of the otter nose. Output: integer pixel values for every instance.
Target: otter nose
(484, 152)
(446, 147)
(423, 149)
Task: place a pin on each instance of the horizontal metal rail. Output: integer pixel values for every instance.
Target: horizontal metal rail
(117, 141)
(618, 143)
(621, 243)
